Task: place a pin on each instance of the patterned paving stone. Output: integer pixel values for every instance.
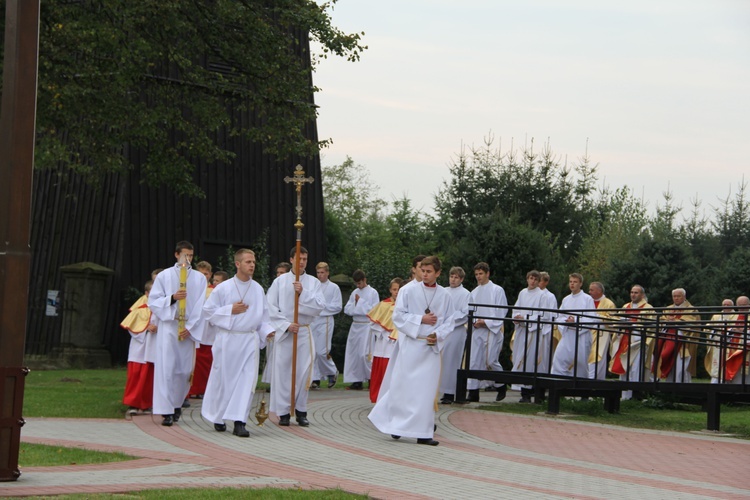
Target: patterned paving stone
(481, 454)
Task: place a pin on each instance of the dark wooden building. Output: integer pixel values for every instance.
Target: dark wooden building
(132, 229)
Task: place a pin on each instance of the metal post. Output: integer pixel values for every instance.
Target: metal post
(17, 129)
(461, 377)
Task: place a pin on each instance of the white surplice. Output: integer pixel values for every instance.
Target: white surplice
(280, 298)
(487, 342)
(453, 348)
(567, 360)
(236, 349)
(356, 366)
(406, 403)
(322, 330)
(174, 358)
(525, 355)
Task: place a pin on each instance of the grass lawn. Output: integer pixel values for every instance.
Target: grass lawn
(647, 414)
(42, 455)
(75, 393)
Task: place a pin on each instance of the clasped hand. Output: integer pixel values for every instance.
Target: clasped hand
(239, 307)
(429, 319)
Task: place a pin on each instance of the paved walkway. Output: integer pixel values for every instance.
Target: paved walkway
(481, 455)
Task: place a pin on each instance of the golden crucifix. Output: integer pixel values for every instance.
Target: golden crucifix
(299, 180)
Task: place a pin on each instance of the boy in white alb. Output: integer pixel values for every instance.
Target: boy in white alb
(361, 301)
(322, 329)
(488, 334)
(453, 350)
(424, 319)
(567, 360)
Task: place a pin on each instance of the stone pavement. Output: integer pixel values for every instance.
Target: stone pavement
(481, 454)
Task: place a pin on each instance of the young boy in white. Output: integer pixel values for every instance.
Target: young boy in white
(453, 350)
(361, 301)
(569, 361)
(424, 318)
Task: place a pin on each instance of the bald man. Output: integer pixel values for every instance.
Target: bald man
(626, 346)
(675, 350)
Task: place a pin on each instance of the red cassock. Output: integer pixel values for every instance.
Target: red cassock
(376, 376)
(139, 388)
(203, 360)
(735, 352)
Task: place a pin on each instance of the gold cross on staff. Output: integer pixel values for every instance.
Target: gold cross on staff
(299, 180)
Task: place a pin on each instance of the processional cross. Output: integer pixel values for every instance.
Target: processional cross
(299, 180)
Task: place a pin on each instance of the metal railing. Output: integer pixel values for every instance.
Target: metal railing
(657, 348)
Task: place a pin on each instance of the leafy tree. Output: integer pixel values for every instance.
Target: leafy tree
(166, 77)
(735, 275)
(350, 196)
(353, 212)
(510, 247)
(614, 233)
(536, 187)
(368, 233)
(660, 266)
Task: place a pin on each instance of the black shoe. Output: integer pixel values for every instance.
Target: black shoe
(239, 429)
(301, 418)
(473, 396)
(447, 399)
(331, 381)
(356, 386)
(525, 395)
(284, 420)
(186, 403)
(177, 414)
(167, 420)
(394, 436)
(220, 427)
(502, 391)
(428, 441)
(315, 384)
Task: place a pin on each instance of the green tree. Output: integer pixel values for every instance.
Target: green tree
(660, 266)
(614, 233)
(664, 224)
(535, 187)
(166, 78)
(732, 222)
(735, 275)
(353, 213)
(510, 247)
(368, 233)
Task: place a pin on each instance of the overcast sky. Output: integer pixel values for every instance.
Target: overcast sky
(658, 88)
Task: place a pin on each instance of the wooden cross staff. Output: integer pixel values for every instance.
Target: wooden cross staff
(299, 180)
